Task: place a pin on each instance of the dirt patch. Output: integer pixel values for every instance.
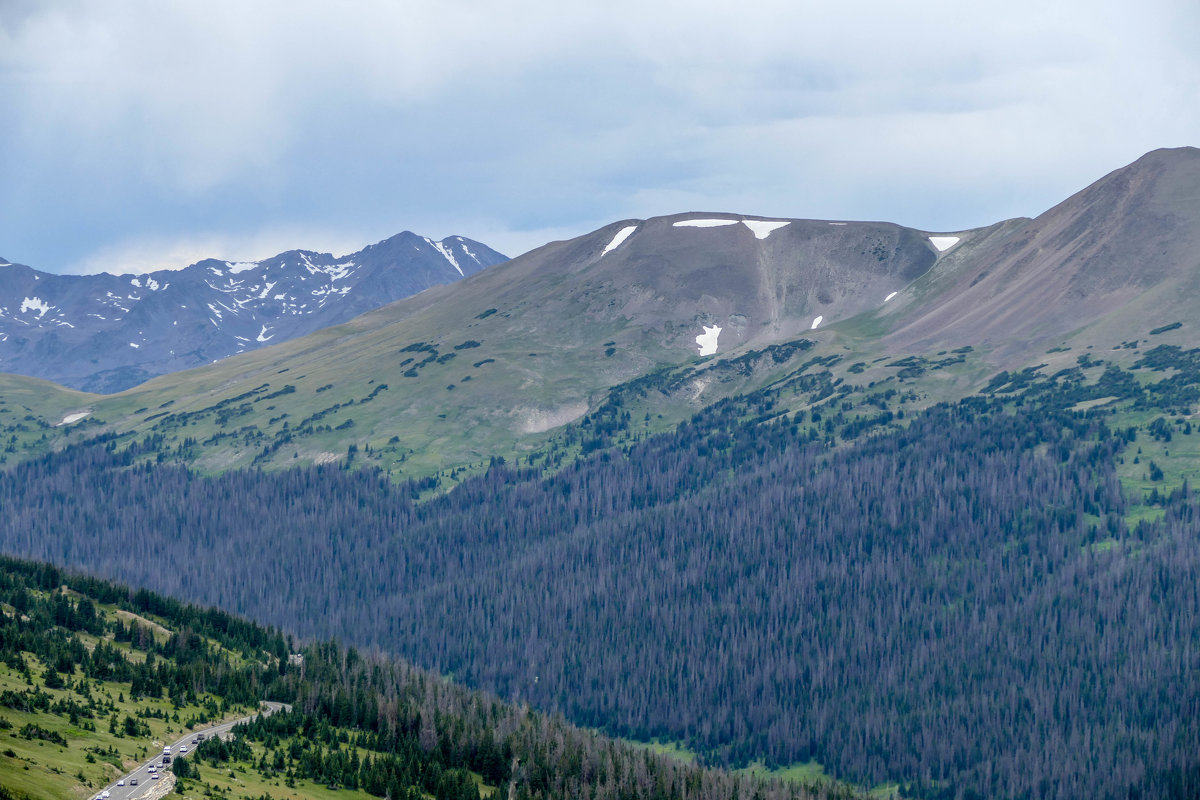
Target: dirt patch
(156, 790)
(159, 630)
(538, 420)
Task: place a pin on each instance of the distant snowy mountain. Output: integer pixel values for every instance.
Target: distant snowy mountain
(105, 333)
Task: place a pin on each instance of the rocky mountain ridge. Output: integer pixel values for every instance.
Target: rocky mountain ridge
(1115, 259)
(105, 333)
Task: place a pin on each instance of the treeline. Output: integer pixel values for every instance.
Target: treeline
(957, 604)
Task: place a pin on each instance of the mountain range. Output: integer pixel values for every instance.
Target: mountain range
(913, 507)
(105, 333)
(496, 363)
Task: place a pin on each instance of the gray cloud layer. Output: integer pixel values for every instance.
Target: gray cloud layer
(149, 133)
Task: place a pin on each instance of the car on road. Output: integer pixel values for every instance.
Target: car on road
(121, 782)
(133, 781)
(154, 777)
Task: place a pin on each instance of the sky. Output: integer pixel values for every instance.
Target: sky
(147, 134)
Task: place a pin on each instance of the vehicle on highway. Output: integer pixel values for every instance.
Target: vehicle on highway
(121, 782)
(133, 781)
(154, 777)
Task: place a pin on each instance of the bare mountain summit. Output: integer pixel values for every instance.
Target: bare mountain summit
(1111, 262)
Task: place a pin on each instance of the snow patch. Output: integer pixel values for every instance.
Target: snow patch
(890, 296)
(152, 284)
(262, 335)
(445, 251)
(708, 340)
(816, 322)
(35, 304)
(72, 417)
(239, 266)
(136, 282)
(463, 244)
(704, 223)
(762, 228)
(943, 243)
(339, 271)
(135, 346)
(621, 236)
(837, 223)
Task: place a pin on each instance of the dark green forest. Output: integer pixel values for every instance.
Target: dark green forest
(958, 600)
(355, 721)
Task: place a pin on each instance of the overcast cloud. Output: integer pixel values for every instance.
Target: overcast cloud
(148, 134)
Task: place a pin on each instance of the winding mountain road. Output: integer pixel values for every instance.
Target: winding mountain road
(140, 785)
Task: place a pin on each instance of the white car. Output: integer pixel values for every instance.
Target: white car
(106, 794)
(121, 782)
(182, 749)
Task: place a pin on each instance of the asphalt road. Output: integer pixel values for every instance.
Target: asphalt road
(146, 785)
